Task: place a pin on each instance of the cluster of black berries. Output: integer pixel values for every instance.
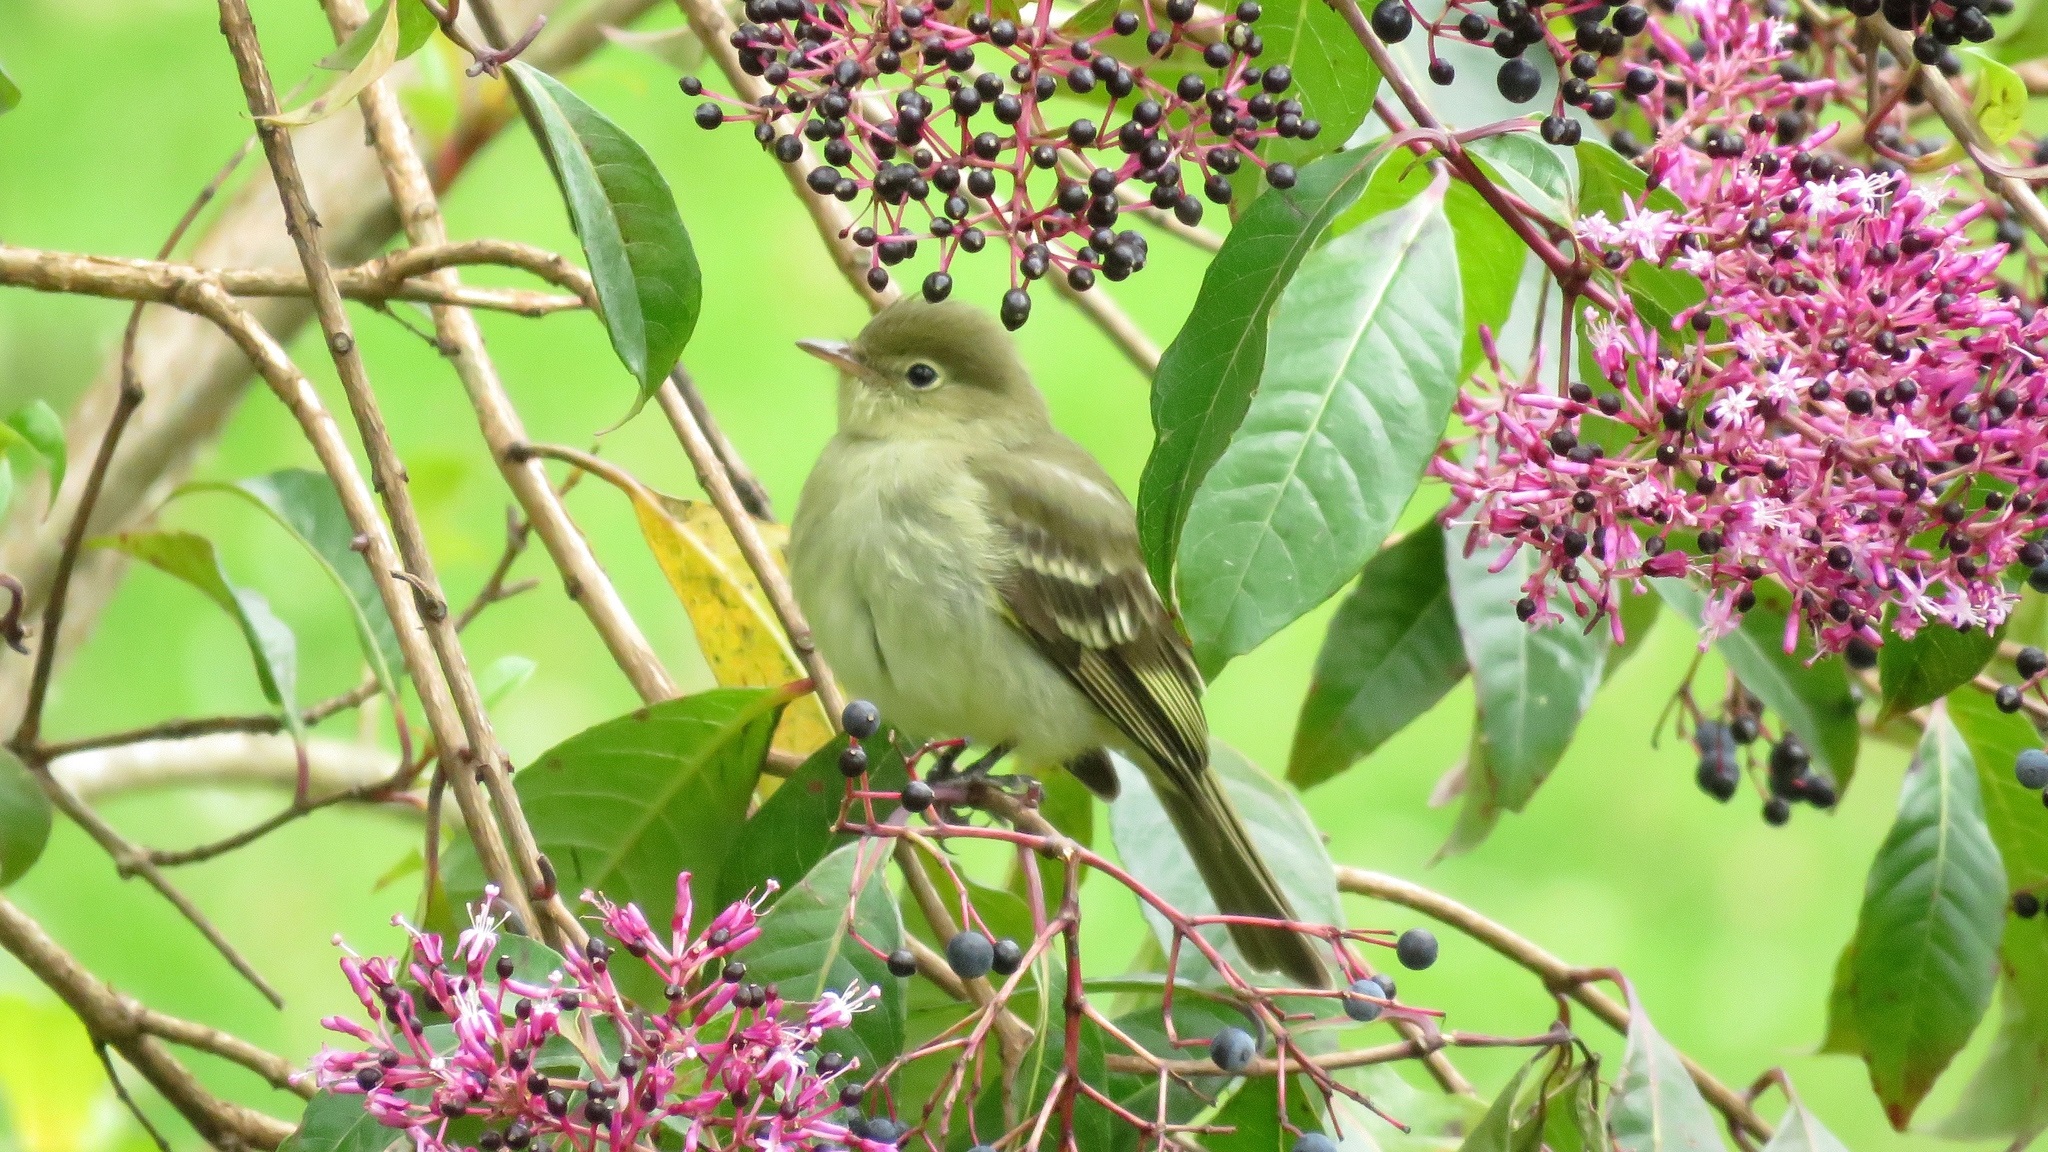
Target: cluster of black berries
(1792, 777)
(1600, 31)
(937, 118)
(1938, 25)
(2029, 662)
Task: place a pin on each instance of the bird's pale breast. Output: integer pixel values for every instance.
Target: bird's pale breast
(892, 554)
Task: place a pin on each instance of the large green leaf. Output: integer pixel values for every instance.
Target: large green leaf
(1391, 653)
(1918, 973)
(807, 946)
(339, 1124)
(1333, 77)
(2007, 1098)
(1281, 831)
(1361, 370)
(305, 504)
(1922, 670)
(1812, 698)
(1252, 1114)
(639, 253)
(1656, 1107)
(627, 805)
(1207, 375)
(1490, 260)
(191, 558)
(792, 830)
(1533, 684)
(1531, 169)
(24, 819)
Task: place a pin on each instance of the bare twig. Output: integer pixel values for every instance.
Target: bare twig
(752, 493)
(210, 725)
(1557, 976)
(221, 759)
(119, 1023)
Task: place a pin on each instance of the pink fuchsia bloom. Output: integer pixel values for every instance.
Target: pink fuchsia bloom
(1854, 412)
(724, 1063)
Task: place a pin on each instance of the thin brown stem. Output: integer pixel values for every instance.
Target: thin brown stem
(211, 725)
(752, 493)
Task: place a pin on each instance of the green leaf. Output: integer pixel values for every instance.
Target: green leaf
(1801, 1131)
(1207, 375)
(382, 39)
(416, 26)
(10, 92)
(1495, 1130)
(191, 558)
(2007, 1098)
(639, 253)
(1333, 77)
(1531, 170)
(627, 805)
(1252, 1113)
(1639, 612)
(1281, 831)
(2000, 102)
(505, 675)
(1608, 183)
(792, 830)
(1490, 260)
(1656, 1107)
(2026, 40)
(1391, 653)
(1533, 684)
(807, 946)
(42, 429)
(1092, 18)
(305, 504)
(1922, 670)
(1918, 972)
(24, 819)
(1813, 699)
(1572, 1120)
(1360, 373)
(339, 1124)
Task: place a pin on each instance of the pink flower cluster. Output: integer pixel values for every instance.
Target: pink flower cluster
(1854, 412)
(723, 1063)
(900, 99)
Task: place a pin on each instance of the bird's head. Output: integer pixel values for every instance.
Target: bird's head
(930, 371)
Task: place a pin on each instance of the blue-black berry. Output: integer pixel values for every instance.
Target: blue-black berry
(709, 115)
(853, 761)
(917, 796)
(970, 954)
(1232, 1049)
(902, 963)
(1519, 81)
(1008, 957)
(1313, 1142)
(860, 719)
(1365, 1011)
(2031, 769)
(1392, 21)
(1416, 949)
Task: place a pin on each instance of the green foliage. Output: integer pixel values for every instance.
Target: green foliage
(792, 830)
(1811, 696)
(625, 216)
(10, 93)
(191, 558)
(24, 819)
(305, 504)
(1656, 1107)
(1801, 1131)
(1392, 652)
(40, 428)
(397, 29)
(1207, 376)
(1359, 378)
(338, 1124)
(1918, 973)
(1333, 77)
(810, 944)
(1922, 670)
(1530, 169)
(1533, 685)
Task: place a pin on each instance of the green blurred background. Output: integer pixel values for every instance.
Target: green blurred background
(1728, 928)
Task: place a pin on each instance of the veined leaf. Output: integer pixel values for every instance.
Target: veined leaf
(1533, 684)
(416, 26)
(1811, 698)
(305, 504)
(2000, 102)
(1358, 382)
(1208, 374)
(1391, 653)
(1280, 829)
(24, 819)
(1333, 77)
(367, 55)
(339, 1124)
(792, 830)
(1531, 169)
(1918, 973)
(191, 558)
(1656, 1107)
(1490, 260)
(808, 947)
(1922, 670)
(42, 429)
(625, 216)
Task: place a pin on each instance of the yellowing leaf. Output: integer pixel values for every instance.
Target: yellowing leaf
(2000, 104)
(385, 34)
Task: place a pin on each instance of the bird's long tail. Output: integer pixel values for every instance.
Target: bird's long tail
(1238, 878)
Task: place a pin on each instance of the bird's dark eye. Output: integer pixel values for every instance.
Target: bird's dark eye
(922, 375)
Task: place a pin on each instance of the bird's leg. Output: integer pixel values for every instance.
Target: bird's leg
(974, 773)
(948, 751)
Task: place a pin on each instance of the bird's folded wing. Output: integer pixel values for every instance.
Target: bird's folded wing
(1074, 581)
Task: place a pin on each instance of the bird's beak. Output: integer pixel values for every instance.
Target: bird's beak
(838, 353)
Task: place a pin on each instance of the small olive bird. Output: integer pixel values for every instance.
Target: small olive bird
(976, 574)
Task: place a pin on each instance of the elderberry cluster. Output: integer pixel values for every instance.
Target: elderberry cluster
(938, 120)
(1938, 25)
(1600, 31)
